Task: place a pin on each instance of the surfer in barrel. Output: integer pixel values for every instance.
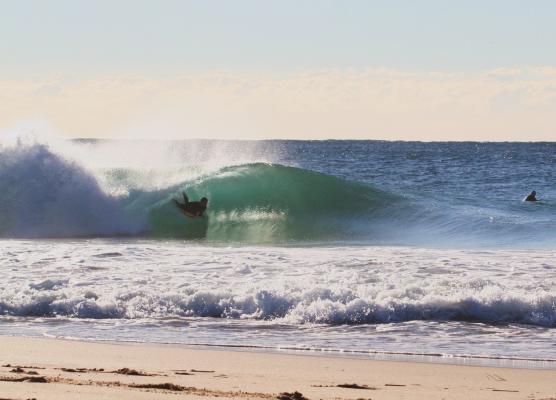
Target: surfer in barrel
(192, 208)
(532, 196)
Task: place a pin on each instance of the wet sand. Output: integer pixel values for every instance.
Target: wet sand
(46, 369)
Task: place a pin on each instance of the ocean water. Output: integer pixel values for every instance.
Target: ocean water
(347, 247)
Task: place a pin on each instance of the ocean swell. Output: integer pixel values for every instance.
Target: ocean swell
(43, 194)
(46, 193)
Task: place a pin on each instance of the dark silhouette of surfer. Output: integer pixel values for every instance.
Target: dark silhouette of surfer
(192, 208)
(532, 196)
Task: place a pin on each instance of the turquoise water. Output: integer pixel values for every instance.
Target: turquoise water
(365, 247)
(436, 194)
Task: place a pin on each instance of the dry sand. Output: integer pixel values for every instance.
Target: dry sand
(46, 369)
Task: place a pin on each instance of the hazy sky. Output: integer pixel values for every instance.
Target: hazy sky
(410, 70)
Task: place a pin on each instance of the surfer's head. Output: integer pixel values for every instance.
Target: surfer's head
(533, 193)
(204, 201)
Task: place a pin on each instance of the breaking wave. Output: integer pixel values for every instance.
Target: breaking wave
(316, 305)
(43, 194)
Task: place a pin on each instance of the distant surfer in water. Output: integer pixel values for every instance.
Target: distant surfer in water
(192, 208)
(532, 196)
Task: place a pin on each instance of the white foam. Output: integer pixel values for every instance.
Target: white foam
(366, 289)
(54, 187)
(455, 302)
(44, 194)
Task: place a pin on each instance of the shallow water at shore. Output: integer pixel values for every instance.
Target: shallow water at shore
(488, 303)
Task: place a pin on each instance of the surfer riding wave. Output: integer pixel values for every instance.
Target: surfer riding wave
(191, 208)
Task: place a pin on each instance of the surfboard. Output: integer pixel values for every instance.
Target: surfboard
(187, 214)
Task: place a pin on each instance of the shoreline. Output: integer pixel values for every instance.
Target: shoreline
(372, 355)
(293, 244)
(59, 369)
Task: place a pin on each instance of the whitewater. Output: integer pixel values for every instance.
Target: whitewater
(360, 247)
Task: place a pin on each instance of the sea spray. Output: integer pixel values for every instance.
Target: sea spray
(319, 266)
(278, 191)
(48, 195)
(44, 195)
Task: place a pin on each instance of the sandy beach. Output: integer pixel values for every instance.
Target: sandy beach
(60, 369)
(291, 200)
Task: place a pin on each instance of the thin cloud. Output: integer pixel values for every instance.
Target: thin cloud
(500, 104)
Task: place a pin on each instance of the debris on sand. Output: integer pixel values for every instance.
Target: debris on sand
(291, 396)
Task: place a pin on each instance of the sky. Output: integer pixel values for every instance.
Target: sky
(245, 69)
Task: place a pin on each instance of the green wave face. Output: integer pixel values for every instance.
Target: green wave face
(261, 203)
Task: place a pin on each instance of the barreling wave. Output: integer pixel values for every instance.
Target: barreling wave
(264, 202)
(43, 194)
